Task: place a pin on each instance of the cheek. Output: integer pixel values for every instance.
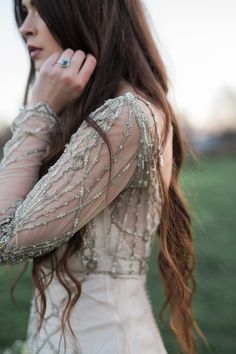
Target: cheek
(48, 41)
(51, 44)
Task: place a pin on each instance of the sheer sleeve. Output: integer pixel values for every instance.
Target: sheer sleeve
(38, 217)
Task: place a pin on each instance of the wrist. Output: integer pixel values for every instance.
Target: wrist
(42, 108)
(33, 101)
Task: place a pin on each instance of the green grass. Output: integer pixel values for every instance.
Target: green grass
(210, 189)
(209, 186)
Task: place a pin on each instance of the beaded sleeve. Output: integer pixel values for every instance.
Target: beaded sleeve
(38, 216)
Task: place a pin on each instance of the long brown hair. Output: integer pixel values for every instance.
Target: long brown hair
(120, 39)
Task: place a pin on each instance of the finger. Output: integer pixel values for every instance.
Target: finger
(77, 60)
(51, 61)
(67, 54)
(87, 70)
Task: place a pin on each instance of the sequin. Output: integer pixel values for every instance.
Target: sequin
(118, 236)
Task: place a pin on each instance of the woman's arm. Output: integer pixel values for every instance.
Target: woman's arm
(23, 154)
(74, 189)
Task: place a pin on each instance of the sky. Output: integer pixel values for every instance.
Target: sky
(196, 40)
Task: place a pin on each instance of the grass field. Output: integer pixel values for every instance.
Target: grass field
(209, 185)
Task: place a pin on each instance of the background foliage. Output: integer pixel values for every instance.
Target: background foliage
(209, 186)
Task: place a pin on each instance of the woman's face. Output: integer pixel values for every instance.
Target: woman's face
(41, 44)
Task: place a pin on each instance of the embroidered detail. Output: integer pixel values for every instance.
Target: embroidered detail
(58, 205)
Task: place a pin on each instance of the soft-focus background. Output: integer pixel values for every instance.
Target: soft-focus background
(196, 39)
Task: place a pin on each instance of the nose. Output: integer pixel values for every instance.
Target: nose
(27, 28)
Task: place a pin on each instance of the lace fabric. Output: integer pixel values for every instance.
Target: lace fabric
(37, 216)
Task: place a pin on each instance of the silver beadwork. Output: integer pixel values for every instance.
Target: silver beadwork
(131, 219)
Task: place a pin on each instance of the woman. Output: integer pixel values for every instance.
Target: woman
(89, 178)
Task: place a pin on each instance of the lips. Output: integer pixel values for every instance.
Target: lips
(34, 51)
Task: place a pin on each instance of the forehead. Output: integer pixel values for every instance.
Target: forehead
(27, 2)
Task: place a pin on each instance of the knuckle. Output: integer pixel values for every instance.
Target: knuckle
(92, 63)
(65, 79)
(80, 85)
(80, 54)
(68, 51)
(92, 59)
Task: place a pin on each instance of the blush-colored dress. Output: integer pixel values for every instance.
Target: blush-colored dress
(113, 314)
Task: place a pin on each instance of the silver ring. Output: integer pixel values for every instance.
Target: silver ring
(64, 62)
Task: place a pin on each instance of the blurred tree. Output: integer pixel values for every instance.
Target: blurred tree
(223, 113)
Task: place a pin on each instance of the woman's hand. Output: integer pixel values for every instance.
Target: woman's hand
(60, 86)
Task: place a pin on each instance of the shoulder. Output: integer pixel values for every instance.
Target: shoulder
(133, 114)
(123, 106)
(150, 112)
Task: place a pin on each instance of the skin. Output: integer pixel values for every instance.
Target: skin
(58, 86)
(55, 85)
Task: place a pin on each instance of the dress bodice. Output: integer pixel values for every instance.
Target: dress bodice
(37, 216)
